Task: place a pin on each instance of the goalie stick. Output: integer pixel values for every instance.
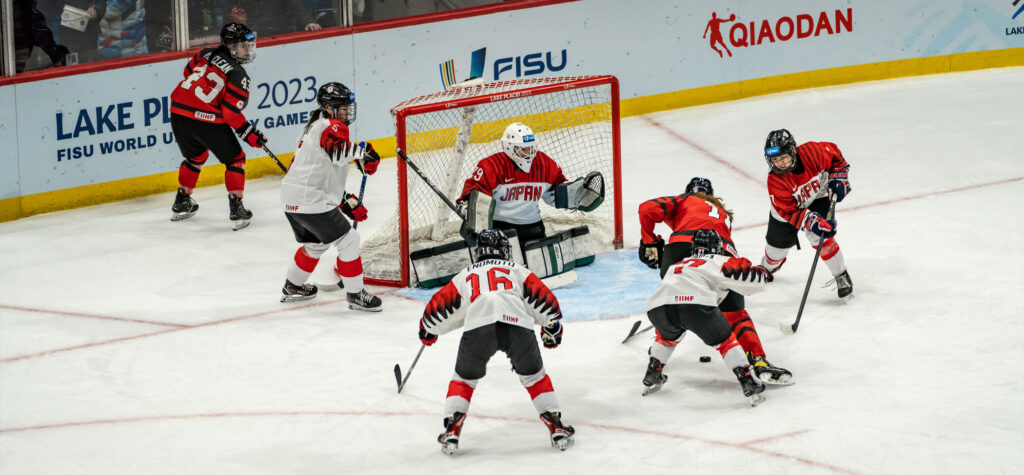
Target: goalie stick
(791, 328)
(278, 162)
(398, 370)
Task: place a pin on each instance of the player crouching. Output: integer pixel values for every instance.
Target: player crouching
(687, 299)
(314, 198)
(496, 302)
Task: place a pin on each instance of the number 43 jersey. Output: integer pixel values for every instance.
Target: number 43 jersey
(490, 291)
(215, 89)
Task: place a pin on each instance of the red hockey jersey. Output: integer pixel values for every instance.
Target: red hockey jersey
(516, 193)
(215, 89)
(792, 193)
(685, 214)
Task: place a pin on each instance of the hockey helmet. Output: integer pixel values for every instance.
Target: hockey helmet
(240, 41)
(337, 102)
(519, 145)
(492, 244)
(706, 241)
(779, 143)
(701, 185)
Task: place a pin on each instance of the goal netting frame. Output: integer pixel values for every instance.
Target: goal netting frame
(575, 119)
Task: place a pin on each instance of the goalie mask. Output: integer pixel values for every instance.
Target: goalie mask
(240, 42)
(519, 145)
(706, 241)
(700, 185)
(493, 244)
(337, 102)
(780, 151)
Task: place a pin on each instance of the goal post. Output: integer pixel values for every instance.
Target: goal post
(575, 120)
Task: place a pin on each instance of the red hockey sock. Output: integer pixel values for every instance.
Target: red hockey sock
(188, 172)
(829, 249)
(662, 341)
(727, 345)
(234, 177)
(304, 261)
(744, 331)
(460, 389)
(349, 268)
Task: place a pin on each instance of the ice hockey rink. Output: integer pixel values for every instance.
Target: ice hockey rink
(131, 344)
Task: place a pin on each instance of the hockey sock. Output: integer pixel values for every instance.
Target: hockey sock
(732, 353)
(460, 392)
(302, 266)
(541, 391)
(349, 266)
(662, 349)
(234, 177)
(773, 257)
(744, 332)
(188, 172)
(833, 257)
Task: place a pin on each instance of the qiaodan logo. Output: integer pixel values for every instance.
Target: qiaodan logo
(756, 32)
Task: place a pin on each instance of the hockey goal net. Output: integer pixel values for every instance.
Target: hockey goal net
(445, 134)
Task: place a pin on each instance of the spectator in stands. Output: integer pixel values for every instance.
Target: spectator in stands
(123, 29)
(30, 31)
(83, 41)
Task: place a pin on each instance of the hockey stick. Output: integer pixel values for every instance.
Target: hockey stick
(362, 189)
(426, 180)
(791, 329)
(283, 168)
(633, 332)
(398, 371)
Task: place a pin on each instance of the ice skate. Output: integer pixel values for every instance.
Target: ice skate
(449, 439)
(364, 301)
(294, 293)
(238, 214)
(654, 379)
(184, 206)
(561, 434)
(769, 374)
(845, 286)
(752, 387)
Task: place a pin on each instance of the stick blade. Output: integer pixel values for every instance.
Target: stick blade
(787, 329)
(398, 377)
(560, 280)
(632, 331)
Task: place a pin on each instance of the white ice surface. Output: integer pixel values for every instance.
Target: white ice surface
(131, 344)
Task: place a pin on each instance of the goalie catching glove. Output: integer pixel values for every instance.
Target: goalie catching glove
(353, 208)
(584, 194)
(650, 253)
(552, 335)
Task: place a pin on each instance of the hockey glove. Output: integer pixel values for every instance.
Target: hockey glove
(368, 163)
(737, 268)
(251, 135)
(839, 184)
(650, 253)
(551, 335)
(426, 337)
(815, 224)
(353, 208)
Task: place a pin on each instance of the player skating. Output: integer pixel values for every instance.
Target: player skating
(801, 178)
(314, 198)
(497, 303)
(687, 299)
(206, 115)
(699, 208)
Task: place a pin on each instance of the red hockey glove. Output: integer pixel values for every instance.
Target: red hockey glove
(251, 135)
(650, 253)
(368, 163)
(353, 208)
(426, 337)
(839, 183)
(822, 227)
(551, 335)
(736, 268)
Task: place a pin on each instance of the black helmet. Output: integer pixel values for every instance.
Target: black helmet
(233, 35)
(492, 243)
(780, 142)
(334, 95)
(698, 184)
(706, 241)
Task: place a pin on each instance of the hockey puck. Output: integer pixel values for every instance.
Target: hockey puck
(705, 359)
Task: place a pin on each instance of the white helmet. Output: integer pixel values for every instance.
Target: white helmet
(519, 145)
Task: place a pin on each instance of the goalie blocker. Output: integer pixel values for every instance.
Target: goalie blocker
(552, 255)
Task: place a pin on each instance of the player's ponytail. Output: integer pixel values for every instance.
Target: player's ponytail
(715, 201)
(315, 116)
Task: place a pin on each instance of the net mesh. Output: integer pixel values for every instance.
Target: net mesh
(573, 125)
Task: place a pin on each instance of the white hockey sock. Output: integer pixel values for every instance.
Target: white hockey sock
(304, 263)
(735, 357)
(662, 349)
(773, 257)
(460, 392)
(541, 391)
(349, 266)
(833, 257)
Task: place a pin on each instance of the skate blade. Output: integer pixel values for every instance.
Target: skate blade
(239, 224)
(181, 216)
(449, 447)
(652, 389)
(562, 443)
(361, 308)
(846, 299)
(296, 298)
(755, 399)
(788, 381)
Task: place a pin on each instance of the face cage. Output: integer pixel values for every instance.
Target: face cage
(350, 117)
(488, 252)
(777, 170)
(233, 48)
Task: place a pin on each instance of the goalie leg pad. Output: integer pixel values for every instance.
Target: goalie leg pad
(435, 266)
(479, 214)
(584, 194)
(560, 252)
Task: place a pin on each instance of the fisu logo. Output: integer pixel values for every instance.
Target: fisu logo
(524, 65)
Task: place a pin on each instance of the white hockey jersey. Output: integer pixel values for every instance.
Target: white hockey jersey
(699, 280)
(491, 291)
(315, 183)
